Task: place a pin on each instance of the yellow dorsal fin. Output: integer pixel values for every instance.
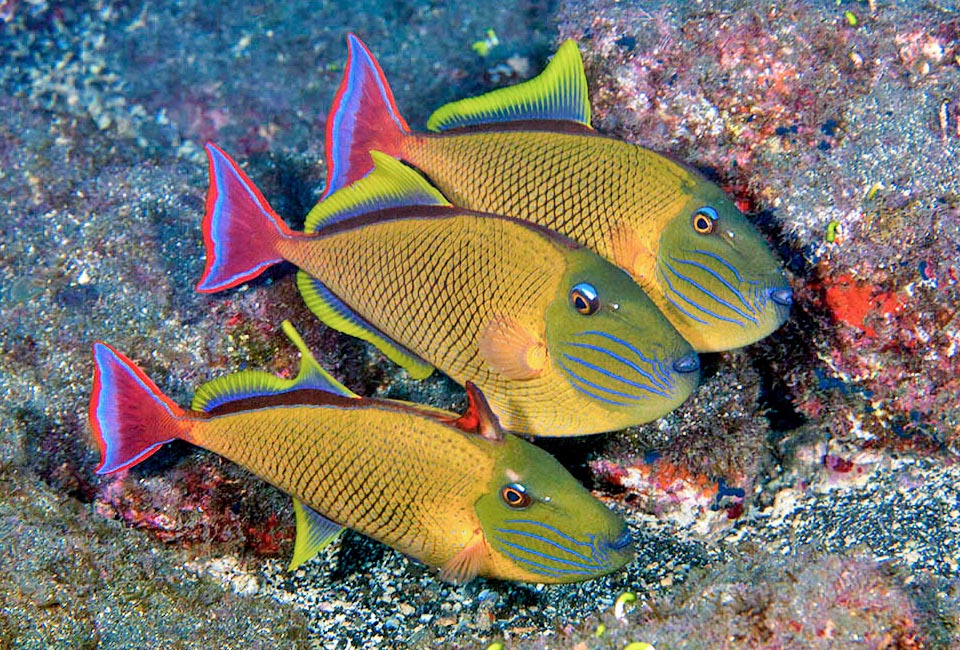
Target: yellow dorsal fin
(256, 383)
(390, 184)
(558, 93)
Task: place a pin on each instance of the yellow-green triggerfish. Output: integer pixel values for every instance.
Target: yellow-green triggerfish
(560, 341)
(452, 491)
(528, 151)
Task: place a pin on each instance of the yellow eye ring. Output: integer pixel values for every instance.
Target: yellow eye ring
(584, 298)
(515, 495)
(705, 220)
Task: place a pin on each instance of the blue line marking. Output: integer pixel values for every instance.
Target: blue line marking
(716, 257)
(720, 278)
(546, 556)
(577, 378)
(712, 295)
(614, 376)
(616, 339)
(542, 569)
(695, 304)
(547, 540)
(673, 302)
(659, 367)
(617, 357)
(559, 533)
(574, 375)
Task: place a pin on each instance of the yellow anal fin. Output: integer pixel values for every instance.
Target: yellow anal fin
(512, 350)
(314, 532)
(558, 93)
(465, 565)
(336, 314)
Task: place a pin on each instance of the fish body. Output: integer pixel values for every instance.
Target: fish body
(527, 151)
(559, 340)
(451, 491)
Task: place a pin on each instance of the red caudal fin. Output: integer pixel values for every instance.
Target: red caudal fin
(130, 417)
(364, 117)
(240, 229)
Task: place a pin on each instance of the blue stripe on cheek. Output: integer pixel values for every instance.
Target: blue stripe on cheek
(614, 376)
(543, 569)
(671, 292)
(616, 357)
(550, 542)
(716, 257)
(595, 396)
(655, 360)
(717, 299)
(694, 303)
(722, 280)
(576, 380)
(510, 542)
(533, 522)
(617, 339)
(660, 369)
(576, 566)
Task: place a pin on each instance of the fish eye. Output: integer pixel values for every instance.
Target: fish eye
(705, 220)
(584, 298)
(515, 495)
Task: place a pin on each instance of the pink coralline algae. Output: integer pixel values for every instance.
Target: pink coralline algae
(839, 132)
(194, 505)
(823, 602)
(896, 353)
(720, 87)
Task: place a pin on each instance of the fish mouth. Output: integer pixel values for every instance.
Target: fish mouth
(687, 363)
(782, 296)
(622, 542)
(613, 371)
(555, 555)
(710, 291)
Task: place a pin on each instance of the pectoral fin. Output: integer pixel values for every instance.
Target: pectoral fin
(631, 253)
(465, 565)
(511, 349)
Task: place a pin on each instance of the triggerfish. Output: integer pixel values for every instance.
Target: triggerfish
(559, 340)
(452, 491)
(528, 151)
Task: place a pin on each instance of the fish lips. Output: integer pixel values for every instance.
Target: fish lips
(781, 296)
(623, 542)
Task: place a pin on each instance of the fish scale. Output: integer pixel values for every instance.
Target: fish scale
(579, 190)
(410, 457)
(527, 151)
(382, 265)
(560, 341)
